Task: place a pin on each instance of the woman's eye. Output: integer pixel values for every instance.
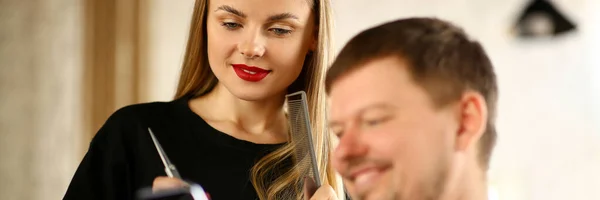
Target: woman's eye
(280, 31)
(231, 25)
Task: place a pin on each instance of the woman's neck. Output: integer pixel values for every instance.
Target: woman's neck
(261, 121)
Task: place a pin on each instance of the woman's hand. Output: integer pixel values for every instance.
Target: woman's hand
(325, 192)
(163, 182)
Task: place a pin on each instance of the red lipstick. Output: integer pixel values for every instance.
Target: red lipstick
(250, 73)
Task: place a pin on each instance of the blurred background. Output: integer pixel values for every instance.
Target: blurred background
(66, 65)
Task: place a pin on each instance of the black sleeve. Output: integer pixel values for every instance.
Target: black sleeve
(104, 171)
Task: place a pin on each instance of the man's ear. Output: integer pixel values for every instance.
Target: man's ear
(473, 118)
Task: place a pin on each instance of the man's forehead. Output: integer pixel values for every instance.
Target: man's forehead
(376, 84)
(343, 107)
(373, 75)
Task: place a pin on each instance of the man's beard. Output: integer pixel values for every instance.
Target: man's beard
(429, 189)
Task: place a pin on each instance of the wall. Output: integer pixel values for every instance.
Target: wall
(165, 30)
(40, 103)
(593, 47)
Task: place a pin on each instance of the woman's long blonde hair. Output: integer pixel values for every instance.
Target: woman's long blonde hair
(197, 79)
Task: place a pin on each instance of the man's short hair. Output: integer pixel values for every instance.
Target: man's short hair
(440, 57)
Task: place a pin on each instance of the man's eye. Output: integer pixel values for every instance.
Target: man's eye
(337, 132)
(374, 122)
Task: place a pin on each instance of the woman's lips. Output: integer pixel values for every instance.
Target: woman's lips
(250, 73)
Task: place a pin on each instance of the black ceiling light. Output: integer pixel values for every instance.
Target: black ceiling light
(541, 19)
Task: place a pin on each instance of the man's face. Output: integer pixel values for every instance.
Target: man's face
(394, 144)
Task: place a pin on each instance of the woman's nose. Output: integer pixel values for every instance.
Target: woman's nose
(252, 47)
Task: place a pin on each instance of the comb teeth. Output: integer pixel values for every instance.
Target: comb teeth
(301, 136)
(298, 130)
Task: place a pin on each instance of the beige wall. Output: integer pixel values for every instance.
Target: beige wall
(66, 65)
(40, 103)
(166, 25)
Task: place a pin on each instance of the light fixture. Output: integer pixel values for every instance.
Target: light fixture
(540, 18)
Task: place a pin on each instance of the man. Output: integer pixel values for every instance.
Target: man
(413, 103)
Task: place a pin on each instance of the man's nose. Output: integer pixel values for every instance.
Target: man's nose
(350, 146)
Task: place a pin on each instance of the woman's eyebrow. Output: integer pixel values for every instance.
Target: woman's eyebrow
(282, 16)
(231, 10)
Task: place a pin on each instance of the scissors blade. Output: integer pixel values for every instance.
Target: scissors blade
(169, 167)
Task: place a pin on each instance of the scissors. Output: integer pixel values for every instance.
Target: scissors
(169, 167)
(195, 190)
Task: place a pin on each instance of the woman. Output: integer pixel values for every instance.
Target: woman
(226, 129)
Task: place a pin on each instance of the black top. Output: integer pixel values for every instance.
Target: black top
(122, 157)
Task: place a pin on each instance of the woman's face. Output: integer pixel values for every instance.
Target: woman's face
(256, 48)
